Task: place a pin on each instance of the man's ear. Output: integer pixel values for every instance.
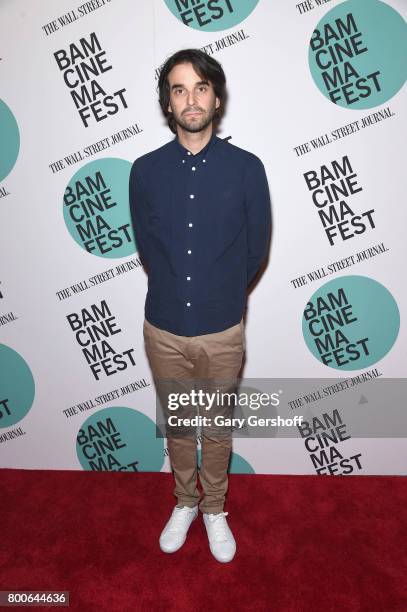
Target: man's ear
(169, 107)
(217, 102)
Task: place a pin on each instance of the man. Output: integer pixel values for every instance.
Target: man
(201, 216)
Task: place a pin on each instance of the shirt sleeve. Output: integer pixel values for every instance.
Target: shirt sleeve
(258, 211)
(138, 212)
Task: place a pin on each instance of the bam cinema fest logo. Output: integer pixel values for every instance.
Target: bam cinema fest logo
(350, 322)
(94, 328)
(9, 140)
(324, 438)
(96, 208)
(119, 440)
(17, 387)
(211, 15)
(331, 187)
(83, 66)
(357, 53)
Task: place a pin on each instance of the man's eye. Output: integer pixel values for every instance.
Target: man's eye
(202, 88)
(178, 91)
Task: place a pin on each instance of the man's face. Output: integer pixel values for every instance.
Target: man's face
(192, 99)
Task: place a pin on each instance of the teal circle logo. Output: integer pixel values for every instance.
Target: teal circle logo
(357, 53)
(96, 208)
(239, 465)
(120, 440)
(350, 323)
(210, 16)
(17, 387)
(9, 140)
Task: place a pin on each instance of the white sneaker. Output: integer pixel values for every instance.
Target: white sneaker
(221, 540)
(175, 532)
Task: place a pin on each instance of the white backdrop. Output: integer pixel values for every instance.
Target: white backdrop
(54, 411)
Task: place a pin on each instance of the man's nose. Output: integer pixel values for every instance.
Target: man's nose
(191, 99)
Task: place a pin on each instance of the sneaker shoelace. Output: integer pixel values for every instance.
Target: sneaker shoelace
(220, 526)
(179, 519)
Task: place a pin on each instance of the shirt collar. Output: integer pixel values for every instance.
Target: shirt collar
(200, 153)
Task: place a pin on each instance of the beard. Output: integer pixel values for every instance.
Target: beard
(195, 123)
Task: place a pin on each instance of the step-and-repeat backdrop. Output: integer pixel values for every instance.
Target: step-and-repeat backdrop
(316, 90)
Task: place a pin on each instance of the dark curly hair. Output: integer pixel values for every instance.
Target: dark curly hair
(204, 65)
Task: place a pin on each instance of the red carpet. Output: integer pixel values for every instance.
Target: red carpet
(304, 543)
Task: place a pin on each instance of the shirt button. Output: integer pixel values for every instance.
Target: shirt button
(189, 251)
(204, 160)
(192, 196)
(193, 168)
(189, 224)
(188, 278)
(188, 152)
(188, 303)
(183, 161)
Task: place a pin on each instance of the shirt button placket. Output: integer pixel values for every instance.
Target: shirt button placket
(190, 225)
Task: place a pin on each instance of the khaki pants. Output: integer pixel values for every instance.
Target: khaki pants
(216, 359)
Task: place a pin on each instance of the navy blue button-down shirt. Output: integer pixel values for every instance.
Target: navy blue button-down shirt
(202, 225)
